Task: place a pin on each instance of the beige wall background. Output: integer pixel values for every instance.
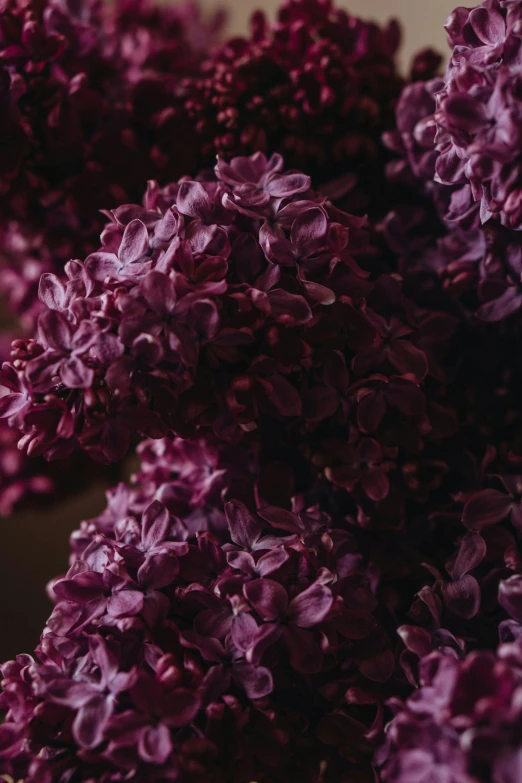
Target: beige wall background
(422, 20)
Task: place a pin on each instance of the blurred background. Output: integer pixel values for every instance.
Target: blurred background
(35, 542)
(422, 20)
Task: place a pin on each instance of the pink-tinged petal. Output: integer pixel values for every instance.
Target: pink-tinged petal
(510, 596)
(103, 265)
(256, 681)
(376, 484)
(107, 348)
(10, 404)
(183, 706)
(159, 570)
(417, 640)
(267, 597)
(489, 25)
(265, 637)
(285, 185)
(501, 308)
(211, 649)
(471, 553)
(89, 724)
(281, 519)
(271, 561)
(55, 330)
(485, 508)
(81, 589)
(244, 529)
(159, 292)
(193, 200)
(51, 292)
(155, 524)
(309, 230)
(304, 652)
(311, 606)
(242, 561)
(243, 631)
(75, 374)
(134, 243)
(125, 603)
(154, 744)
(462, 597)
(84, 338)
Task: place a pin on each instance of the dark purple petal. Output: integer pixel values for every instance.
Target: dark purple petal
(462, 597)
(134, 243)
(311, 606)
(270, 600)
(485, 508)
(244, 528)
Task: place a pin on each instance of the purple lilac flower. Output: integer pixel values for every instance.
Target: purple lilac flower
(462, 130)
(90, 106)
(462, 723)
(216, 305)
(317, 85)
(254, 652)
(20, 477)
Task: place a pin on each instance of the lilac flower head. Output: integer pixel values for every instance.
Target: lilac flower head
(220, 302)
(175, 650)
(19, 476)
(460, 726)
(464, 130)
(317, 86)
(89, 96)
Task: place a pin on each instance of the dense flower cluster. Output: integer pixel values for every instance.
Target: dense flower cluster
(19, 475)
(325, 525)
(458, 136)
(463, 723)
(91, 110)
(220, 303)
(253, 651)
(318, 86)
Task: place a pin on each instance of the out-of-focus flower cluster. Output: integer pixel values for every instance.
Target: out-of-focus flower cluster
(459, 136)
(91, 109)
(463, 723)
(317, 85)
(244, 647)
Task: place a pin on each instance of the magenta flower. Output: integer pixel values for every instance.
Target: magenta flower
(317, 86)
(156, 644)
(460, 724)
(91, 96)
(194, 315)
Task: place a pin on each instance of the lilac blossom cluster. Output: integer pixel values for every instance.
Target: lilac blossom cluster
(324, 529)
(462, 725)
(317, 85)
(458, 136)
(219, 304)
(20, 476)
(90, 97)
(247, 648)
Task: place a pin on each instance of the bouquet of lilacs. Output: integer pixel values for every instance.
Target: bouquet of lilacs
(288, 280)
